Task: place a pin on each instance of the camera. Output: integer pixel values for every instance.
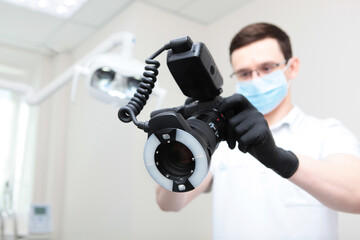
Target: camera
(181, 140)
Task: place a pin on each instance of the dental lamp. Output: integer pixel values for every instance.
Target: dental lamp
(112, 76)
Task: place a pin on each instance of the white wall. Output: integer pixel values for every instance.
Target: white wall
(96, 177)
(51, 131)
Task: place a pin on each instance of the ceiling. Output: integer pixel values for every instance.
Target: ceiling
(32, 30)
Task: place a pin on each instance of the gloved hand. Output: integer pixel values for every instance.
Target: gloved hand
(248, 127)
(189, 100)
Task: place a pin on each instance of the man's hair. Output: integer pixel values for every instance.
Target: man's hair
(260, 31)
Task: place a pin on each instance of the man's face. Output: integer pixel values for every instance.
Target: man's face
(256, 56)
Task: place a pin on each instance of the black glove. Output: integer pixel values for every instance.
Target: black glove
(248, 127)
(189, 100)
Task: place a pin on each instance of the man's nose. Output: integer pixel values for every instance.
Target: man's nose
(255, 74)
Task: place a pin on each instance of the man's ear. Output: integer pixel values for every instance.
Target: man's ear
(293, 69)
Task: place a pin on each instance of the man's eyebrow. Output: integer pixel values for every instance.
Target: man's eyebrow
(260, 64)
(243, 69)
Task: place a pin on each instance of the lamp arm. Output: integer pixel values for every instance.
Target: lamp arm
(33, 98)
(17, 87)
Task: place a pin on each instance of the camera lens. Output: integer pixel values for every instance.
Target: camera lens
(174, 159)
(178, 151)
(209, 125)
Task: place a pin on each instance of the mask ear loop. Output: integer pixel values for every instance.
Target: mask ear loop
(287, 66)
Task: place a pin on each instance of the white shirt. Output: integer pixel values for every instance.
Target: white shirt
(251, 201)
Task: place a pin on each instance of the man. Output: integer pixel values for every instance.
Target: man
(290, 172)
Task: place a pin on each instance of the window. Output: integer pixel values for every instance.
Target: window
(16, 151)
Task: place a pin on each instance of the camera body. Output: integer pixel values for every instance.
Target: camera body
(181, 140)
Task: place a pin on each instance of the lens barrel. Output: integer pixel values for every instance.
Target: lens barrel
(209, 125)
(182, 149)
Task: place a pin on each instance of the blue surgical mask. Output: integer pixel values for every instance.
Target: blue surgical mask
(265, 93)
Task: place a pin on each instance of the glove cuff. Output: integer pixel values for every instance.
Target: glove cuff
(287, 163)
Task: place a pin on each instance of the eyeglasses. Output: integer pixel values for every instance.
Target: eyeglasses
(261, 70)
